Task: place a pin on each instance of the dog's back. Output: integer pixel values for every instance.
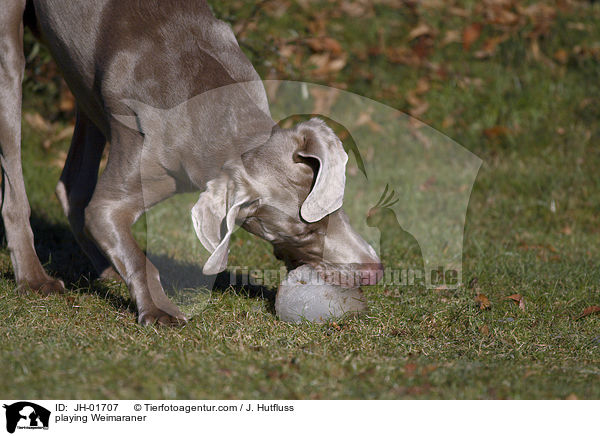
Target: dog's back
(158, 52)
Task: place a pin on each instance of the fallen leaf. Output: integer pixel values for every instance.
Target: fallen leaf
(450, 37)
(335, 325)
(286, 51)
(422, 86)
(326, 64)
(412, 99)
(484, 330)
(588, 311)
(419, 110)
(561, 56)
(67, 101)
(325, 44)
(423, 48)
(59, 160)
(410, 368)
(427, 184)
(496, 131)
(566, 230)
(489, 46)
(65, 133)
(448, 121)
(324, 99)
(518, 299)
(459, 12)
(420, 30)
(576, 26)
(503, 17)
(364, 118)
(357, 8)
(484, 302)
(470, 35)
(37, 121)
(515, 297)
(402, 55)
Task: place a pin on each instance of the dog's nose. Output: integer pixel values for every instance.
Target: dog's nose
(371, 273)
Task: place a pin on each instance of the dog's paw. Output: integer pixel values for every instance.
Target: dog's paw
(159, 317)
(45, 286)
(110, 275)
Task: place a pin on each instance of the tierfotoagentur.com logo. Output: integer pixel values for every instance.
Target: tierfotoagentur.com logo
(25, 415)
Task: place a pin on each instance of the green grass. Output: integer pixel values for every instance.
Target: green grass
(414, 342)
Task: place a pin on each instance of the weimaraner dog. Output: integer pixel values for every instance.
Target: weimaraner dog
(128, 60)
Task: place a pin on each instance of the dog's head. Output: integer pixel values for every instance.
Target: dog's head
(289, 192)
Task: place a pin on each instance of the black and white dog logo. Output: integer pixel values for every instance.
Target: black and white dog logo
(26, 415)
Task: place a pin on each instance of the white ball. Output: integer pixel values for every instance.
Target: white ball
(303, 296)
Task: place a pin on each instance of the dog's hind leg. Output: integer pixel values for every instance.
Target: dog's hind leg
(28, 270)
(77, 184)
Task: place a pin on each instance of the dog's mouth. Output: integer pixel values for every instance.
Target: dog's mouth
(347, 275)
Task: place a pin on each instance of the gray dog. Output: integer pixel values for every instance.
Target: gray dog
(122, 59)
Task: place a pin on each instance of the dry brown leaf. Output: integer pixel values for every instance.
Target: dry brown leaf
(489, 46)
(561, 56)
(359, 8)
(588, 311)
(566, 230)
(518, 299)
(537, 12)
(450, 37)
(326, 64)
(364, 118)
(515, 297)
(419, 110)
(402, 55)
(324, 99)
(459, 12)
(422, 86)
(471, 34)
(325, 44)
(67, 101)
(415, 130)
(37, 121)
(428, 184)
(448, 121)
(287, 51)
(410, 367)
(484, 302)
(484, 330)
(59, 160)
(65, 133)
(421, 29)
(496, 131)
(413, 99)
(576, 26)
(503, 17)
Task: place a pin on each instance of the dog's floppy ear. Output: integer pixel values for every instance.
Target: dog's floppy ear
(214, 216)
(327, 194)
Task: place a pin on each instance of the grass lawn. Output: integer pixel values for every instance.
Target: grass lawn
(516, 83)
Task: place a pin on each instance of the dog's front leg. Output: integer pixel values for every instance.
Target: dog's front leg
(28, 270)
(118, 200)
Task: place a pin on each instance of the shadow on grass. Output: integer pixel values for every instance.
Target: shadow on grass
(63, 258)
